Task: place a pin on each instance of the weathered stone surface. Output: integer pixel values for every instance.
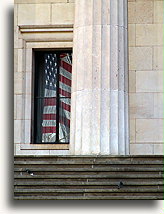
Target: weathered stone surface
(132, 81)
(140, 58)
(99, 89)
(149, 81)
(141, 149)
(149, 130)
(158, 58)
(158, 11)
(62, 13)
(141, 105)
(34, 14)
(132, 34)
(149, 34)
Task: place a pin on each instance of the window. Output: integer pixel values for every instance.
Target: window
(52, 97)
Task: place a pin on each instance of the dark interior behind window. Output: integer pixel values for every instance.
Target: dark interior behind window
(52, 96)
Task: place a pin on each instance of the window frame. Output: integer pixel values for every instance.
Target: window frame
(33, 38)
(36, 54)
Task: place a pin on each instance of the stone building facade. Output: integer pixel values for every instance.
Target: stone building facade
(115, 148)
(120, 112)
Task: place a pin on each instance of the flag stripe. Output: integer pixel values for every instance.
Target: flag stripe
(65, 80)
(65, 87)
(51, 129)
(66, 66)
(64, 93)
(65, 73)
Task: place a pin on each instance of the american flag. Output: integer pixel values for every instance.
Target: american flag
(57, 90)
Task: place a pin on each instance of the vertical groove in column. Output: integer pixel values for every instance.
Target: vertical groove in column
(114, 68)
(96, 77)
(127, 140)
(121, 88)
(105, 79)
(119, 98)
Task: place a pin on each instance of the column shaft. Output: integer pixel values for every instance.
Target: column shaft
(99, 91)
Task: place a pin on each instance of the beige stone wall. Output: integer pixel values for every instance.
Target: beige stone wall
(37, 24)
(146, 76)
(145, 67)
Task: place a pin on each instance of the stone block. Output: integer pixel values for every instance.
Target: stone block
(33, 14)
(140, 58)
(28, 103)
(28, 60)
(158, 58)
(17, 131)
(132, 81)
(28, 82)
(132, 130)
(149, 34)
(39, 1)
(131, 12)
(149, 81)
(63, 13)
(27, 132)
(140, 12)
(144, 12)
(59, 152)
(158, 11)
(15, 15)
(20, 59)
(141, 149)
(15, 60)
(141, 105)
(15, 107)
(18, 151)
(158, 149)
(18, 82)
(158, 105)
(19, 107)
(132, 34)
(149, 130)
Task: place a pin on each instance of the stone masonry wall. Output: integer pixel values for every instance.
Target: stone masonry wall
(37, 13)
(145, 67)
(146, 76)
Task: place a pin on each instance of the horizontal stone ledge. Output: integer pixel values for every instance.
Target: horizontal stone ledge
(45, 26)
(88, 197)
(86, 162)
(127, 189)
(92, 156)
(44, 146)
(74, 176)
(39, 1)
(88, 183)
(45, 29)
(98, 169)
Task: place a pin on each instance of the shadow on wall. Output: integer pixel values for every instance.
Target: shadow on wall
(10, 149)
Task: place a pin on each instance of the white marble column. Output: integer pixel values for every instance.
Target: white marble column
(99, 113)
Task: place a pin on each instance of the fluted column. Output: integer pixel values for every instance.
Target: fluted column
(99, 123)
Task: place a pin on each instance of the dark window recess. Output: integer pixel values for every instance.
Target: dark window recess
(52, 97)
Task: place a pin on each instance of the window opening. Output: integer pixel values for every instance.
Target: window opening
(52, 97)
